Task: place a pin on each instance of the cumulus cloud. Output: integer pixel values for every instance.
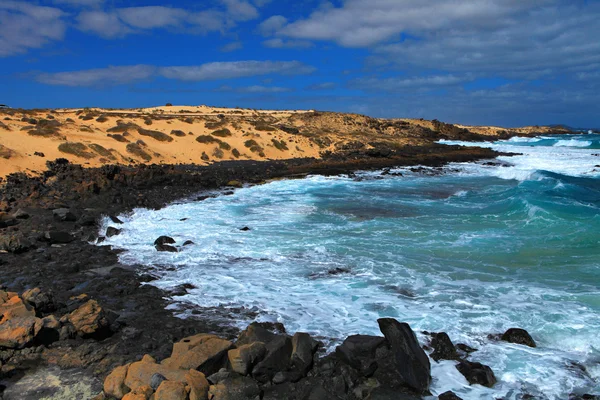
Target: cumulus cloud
(116, 75)
(80, 3)
(26, 26)
(322, 86)
(233, 46)
(402, 83)
(254, 89)
(272, 24)
(279, 43)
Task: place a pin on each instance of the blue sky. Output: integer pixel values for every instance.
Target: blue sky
(503, 62)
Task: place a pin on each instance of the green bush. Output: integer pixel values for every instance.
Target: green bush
(136, 150)
(218, 153)
(236, 153)
(178, 133)
(102, 151)
(123, 127)
(207, 139)
(119, 138)
(224, 146)
(279, 144)
(222, 133)
(76, 149)
(161, 137)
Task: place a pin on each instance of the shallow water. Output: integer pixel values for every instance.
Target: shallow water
(476, 250)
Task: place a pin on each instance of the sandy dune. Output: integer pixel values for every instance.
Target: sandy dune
(193, 134)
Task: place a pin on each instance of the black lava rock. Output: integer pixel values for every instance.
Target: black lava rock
(518, 336)
(443, 349)
(166, 248)
(164, 240)
(477, 373)
(112, 231)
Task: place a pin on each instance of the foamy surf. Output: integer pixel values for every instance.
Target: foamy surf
(472, 252)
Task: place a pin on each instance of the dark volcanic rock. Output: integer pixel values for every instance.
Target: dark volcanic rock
(359, 351)
(448, 396)
(518, 336)
(443, 349)
(164, 240)
(477, 373)
(411, 363)
(166, 248)
(64, 214)
(112, 231)
(277, 358)
(58, 237)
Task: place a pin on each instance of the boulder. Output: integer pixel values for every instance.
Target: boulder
(164, 240)
(141, 373)
(359, 352)
(114, 384)
(14, 243)
(277, 358)
(448, 396)
(477, 373)
(443, 348)
(518, 336)
(50, 331)
(203, 352)
(166, 248)
(246, 356)
(156, 380)
(411, 363)
(198, 385)
(58, 237)
(170, 390)
(90, 320)
(42, 302)
(238, 388)
(112, 231)
(14, 307)
(19, 332)
(303, 350)
(64, 215)
(256, 332)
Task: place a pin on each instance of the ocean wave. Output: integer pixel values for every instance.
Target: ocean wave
(573, 143)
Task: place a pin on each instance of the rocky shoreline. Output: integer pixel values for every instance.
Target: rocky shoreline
(76, 310)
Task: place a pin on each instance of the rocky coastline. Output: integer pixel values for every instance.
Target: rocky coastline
(68, 306)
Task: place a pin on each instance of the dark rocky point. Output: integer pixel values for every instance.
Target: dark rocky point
(164, 240)
(518, 336)
(477, 373)
(112, 231)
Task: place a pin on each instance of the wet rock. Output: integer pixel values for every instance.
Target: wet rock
(164, 240)
(115, 219)
(64, 215)
(156, 380)
(359, 351)
(58, 237)
(583, 397)
(257, 332)
(277, 358)
(448, 396)
(245, 229)
(303, 350)
(203, 352)
(464, 349)
(443, 349)
(90, 320)
(246, 356)
(114, 384)
(112, 231)
(14, 307)
(411, 362)
(518, 336)
(477, 373)
(188, 243)
(170, 390)
(14, 243)
(166, 248)
(87, 220)
(239, 388)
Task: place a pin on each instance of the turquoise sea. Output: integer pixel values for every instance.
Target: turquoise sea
(471, 249)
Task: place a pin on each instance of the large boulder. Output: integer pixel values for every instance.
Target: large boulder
(411, 364)
(141, 373)
(277, 359)
(198, 385)
(166, 248)
(42, 302)
(58, 237)
(237, 388)
(359, 351)
(14, 307)
(64, 215)
(114, 384)
(164, 240)
(243, 358)
(19, 332)
(14, 243)
(203, 352)
(90, 320)
(477, 373)
(518, 336)
(303, 350)
(170, 390)
(256, 332)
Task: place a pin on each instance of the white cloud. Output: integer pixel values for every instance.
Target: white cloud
(255, 89)
(233, 46)
(234, 69)
(240, 10)
(116, 75)
(26, 26)
(272, 24)
(322, 86)
(80, 3)
(103, 24)
(402, 83)
(151, 17)
(278, 43)
(102, 76)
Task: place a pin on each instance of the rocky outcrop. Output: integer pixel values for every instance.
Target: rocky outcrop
(518, 336)
(90, 320)
(477, 373)
(205, 353)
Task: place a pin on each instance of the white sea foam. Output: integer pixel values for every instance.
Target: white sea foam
(573, 143)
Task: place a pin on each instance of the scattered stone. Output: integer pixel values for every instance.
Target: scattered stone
(156, 380)
(19, 332)
(42, 302)
(14, 243)
(477, 373)
(141, 373)
(112, 231)
(114, 384)
(166, 248)
(188, 243)
(170, 390)
(115, 219)
(245, 229)
(64, 215)
(518, 336)
(238, 388)
(198, 385)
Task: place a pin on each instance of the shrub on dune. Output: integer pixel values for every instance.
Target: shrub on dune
(138, 151)
(102, 151)
(119, 138)
(222, 133)
(207, 139)
(161, 137)
(76, 149)
(179, 133)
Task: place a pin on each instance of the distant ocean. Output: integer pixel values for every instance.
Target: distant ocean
(471, 250)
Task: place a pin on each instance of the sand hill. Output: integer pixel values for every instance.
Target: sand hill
(201, 135)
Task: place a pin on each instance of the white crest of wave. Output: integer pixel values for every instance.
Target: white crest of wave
(573, 143)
